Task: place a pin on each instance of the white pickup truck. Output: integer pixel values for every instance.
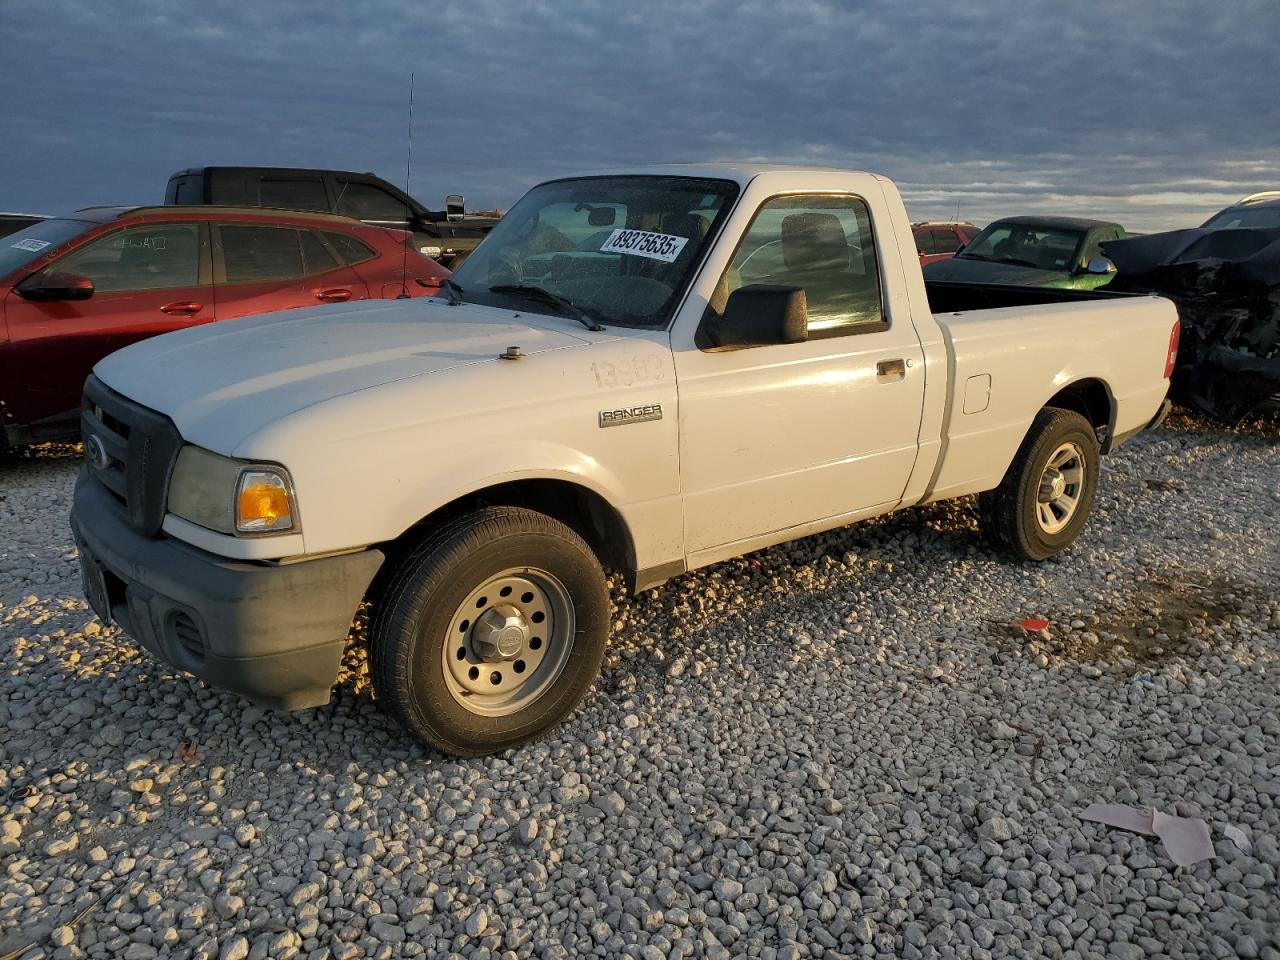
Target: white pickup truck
(647, 371)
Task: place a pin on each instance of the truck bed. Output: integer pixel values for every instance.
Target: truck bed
(951, 297)
(1013, 348)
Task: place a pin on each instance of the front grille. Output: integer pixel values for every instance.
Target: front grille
(130, 449)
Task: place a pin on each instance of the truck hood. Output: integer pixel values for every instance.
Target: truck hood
(960, 269)
(221, 382)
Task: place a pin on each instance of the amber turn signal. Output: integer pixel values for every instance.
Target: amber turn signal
(263, 503)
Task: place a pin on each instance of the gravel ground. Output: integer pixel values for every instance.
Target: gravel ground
(832, 748)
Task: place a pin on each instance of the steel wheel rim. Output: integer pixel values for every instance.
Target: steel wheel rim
(1061, 487)
(508, 642)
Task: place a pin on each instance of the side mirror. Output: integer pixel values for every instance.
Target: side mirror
(762, 315)
(54, 285)
(1099, 265)
(454, 207)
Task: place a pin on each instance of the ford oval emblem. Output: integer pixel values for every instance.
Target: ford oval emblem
(95, 452)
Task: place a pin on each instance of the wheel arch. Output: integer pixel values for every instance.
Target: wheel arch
(582, 509)
(1090, 397)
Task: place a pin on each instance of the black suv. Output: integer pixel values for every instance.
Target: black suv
(448, 236)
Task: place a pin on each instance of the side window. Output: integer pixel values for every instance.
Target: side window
(945, 241)
(350, 249)
(293, 195)
(146, 257)
(316, 257)
(924, 241)
(364, 201)
(255, 253)
(823, 244)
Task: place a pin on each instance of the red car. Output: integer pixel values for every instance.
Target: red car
(940, 239)
(74, 289)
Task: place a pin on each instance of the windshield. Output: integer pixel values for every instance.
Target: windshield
(621, 249)
(1246, 217)
(1026, 245)
(38, 240)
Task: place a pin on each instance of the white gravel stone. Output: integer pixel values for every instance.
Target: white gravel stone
(834, 748)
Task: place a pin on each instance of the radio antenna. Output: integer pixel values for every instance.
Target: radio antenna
(408, 167)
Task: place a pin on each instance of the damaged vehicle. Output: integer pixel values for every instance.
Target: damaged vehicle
(1255, 210)
(1226, 283)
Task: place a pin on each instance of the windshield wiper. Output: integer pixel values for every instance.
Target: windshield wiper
(1021, 263)
(973, 256)
(530, 292)
(452, 291)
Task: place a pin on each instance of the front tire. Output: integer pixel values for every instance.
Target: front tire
(491, 631)
(1046, 495)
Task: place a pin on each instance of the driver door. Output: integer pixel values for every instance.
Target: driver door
(775, 437)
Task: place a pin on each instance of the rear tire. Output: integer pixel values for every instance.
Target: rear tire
(1046, 495)
(491, 631)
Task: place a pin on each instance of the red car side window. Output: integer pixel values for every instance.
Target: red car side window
(153, 256)
(253, 253)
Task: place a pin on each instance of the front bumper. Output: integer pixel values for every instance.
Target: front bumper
(271, 633)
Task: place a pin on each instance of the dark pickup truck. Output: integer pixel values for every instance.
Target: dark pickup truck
(448, 236)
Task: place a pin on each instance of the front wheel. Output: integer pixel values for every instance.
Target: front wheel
(491, 631)
(1044, 500)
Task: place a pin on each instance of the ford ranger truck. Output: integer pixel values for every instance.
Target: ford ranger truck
(645, 371)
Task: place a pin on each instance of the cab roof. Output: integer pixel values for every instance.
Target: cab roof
(741, 172)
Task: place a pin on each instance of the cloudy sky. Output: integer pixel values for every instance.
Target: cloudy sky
(1152, 113)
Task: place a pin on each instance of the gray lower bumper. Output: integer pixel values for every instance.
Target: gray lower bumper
(272, 633)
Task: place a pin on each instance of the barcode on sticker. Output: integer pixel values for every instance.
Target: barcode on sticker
(30, 244)
(642, 243)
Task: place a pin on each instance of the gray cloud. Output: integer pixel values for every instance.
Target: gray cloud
(1154, 113)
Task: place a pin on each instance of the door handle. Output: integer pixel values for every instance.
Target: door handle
(889, 371)
(333, 295)
(182, 308)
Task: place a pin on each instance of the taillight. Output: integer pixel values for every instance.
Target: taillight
(1172, 359)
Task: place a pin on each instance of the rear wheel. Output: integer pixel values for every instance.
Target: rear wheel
(491, 631)
(1044, 500)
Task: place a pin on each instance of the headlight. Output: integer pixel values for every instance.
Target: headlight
(231, 496)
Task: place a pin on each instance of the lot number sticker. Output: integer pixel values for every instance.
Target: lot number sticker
(31, 244)
(642, 243)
